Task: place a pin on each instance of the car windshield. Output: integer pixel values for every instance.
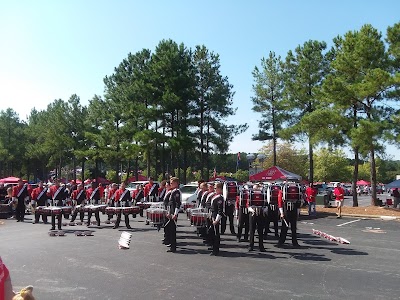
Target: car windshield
(188, 189)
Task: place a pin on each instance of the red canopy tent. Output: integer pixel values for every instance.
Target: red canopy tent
(140, 178)
(275, 173)
(363, 182)
(10, 180)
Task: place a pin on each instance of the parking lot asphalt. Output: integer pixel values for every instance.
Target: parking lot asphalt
(92, 267)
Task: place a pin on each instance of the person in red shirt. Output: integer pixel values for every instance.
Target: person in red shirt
(311, 194)
(39, 198)
(339, 197)
(122, 198)
(20, 195)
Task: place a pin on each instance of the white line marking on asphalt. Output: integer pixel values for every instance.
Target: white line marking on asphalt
(348, 222)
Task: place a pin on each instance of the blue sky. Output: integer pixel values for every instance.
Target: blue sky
(53, 49)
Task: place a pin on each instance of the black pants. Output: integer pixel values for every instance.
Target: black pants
(215, 238)
(291, 218)
(273, 216)
(75, 214)
(53, 221)
(243, 223)
(20, 211)
(229, 211)
(97, 216)
(257, 221)
(37, 216)
(119, 220)
(170, 233)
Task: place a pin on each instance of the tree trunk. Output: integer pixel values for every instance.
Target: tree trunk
(311, 160)
(374, 200)
(355, 177)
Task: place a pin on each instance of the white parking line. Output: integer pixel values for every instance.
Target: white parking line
(348, 222)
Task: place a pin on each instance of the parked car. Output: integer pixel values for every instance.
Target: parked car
(133, 185)
(188, 193)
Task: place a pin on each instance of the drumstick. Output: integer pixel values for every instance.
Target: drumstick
(287, 225)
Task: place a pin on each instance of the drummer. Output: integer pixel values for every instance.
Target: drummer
(39, 197)
(78, 196)
(58, 195)
(122, 198)
(110, 199)
(93, 197)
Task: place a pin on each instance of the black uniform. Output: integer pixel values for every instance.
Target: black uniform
(22, 194)
(41, 200)
(80, 199)
(94, 198)
(257, 220)
(273, 211)
(173, 205)
(243, 218)
(139, 198)
(124, 201)
(153, 193)
(58, 198)
(217, 207)
(290, 213)
(228, 214)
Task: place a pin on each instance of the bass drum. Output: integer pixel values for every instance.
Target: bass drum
(273, 192)
(257, 198)
(230, 190)
(292, 193)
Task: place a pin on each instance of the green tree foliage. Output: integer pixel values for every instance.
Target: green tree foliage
(331, 166)
(304, 72)
(288, 158)
(268, 90)
(358, 83)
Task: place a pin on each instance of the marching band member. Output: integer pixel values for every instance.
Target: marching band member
(93, 197)
(202, 189)
(216, 208)
(151, 190)
(257, 210)
(162, 190)
(229, 211)
(288, 214)
(78, 196)
(39, 198)
(242, 206)
(58, 195)
(165, 202)
(173, 205)
(20, 194)
(273, 212)
(138, 196)
(122, 198)
(110, 198)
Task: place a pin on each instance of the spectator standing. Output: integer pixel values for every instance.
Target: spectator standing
(339, 197)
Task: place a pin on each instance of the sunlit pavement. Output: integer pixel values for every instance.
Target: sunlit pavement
(92, 267)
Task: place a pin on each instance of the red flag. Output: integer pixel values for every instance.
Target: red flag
(238, 156)
(215, 172)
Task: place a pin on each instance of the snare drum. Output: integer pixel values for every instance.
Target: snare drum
(156, 215)
(53, 210)
(40, 210)
(188, 205)
(127, 210)
(87, 208)
(66, 210)
(110, 211)
(102, 208)
(118, 210)
(199, 219)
